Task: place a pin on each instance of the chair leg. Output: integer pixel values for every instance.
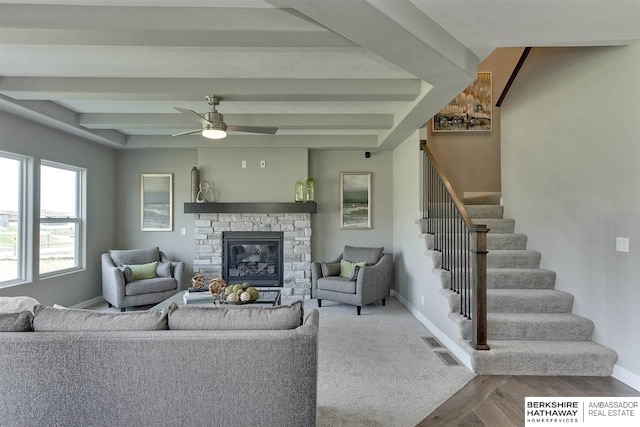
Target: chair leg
(358, 308)
(122, 309)
(319, 303)
(383, 301)
(109, 304)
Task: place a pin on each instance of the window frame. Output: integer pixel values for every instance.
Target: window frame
(78, 220)
(23, 218)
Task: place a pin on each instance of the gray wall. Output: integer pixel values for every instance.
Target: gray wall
(131, 164)
(571, 179)
(328, 239)
(221, 167)
(24, 137)
(413, 276)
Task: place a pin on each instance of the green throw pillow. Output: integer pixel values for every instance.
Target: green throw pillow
(144, 271)
(346, 268)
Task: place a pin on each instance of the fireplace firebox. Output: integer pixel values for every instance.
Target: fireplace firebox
(255, 257)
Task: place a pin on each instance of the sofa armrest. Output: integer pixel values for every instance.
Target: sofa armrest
(112, 281)
(178, 269)
(374, 282)
(316, 273)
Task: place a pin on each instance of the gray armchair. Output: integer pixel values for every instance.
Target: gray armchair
(124, 292)
(373, 282)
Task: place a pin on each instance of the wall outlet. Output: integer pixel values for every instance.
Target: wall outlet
(422, 299)
(244, 164)
(183, 231)
(622, 244)
(263, 164)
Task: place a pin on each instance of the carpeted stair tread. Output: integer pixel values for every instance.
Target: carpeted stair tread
(510, 357)
(497, 226)
(513, 259)
(519, 278)
(497, 241)
(485, 211)
(528, 301)
(538, 326)
(481, 198)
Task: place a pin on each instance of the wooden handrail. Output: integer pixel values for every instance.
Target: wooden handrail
(514, 74)
(447, 184)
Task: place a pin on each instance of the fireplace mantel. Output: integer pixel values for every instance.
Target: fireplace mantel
(256, 207)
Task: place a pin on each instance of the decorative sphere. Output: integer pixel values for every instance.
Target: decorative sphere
(197, 281)
(245, 297)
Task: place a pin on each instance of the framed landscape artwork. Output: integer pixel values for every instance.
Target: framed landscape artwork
(469, 111)
(355, 200)
(157, 202)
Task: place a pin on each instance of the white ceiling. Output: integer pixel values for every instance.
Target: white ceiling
(327, 73)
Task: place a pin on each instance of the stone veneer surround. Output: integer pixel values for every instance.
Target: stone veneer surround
(297, 244)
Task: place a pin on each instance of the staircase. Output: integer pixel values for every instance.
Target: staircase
(531, 327)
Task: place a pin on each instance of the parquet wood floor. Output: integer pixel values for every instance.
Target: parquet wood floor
(498, 401)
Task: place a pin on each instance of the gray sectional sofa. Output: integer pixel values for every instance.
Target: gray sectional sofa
(181, 377)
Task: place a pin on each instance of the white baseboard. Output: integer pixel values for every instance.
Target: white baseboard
(626, 376)
(88, 303)
(462, 355)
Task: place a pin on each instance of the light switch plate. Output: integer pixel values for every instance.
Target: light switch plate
(183, 231)
(622, 244)
(244, 164)
(263, 164)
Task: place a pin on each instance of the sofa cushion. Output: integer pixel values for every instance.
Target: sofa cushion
(144, 271)
(49, 319)
(16, 322)
(17, 304)
(236, 317)
(127, 273)
(164, 269)
(337, 284)
(347, 268)
(134, 256)
(149, 286)
(369, 255)
(330, 269)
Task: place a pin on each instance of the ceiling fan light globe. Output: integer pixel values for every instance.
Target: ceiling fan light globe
(214, 133)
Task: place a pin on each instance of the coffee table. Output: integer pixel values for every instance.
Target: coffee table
(268, 296)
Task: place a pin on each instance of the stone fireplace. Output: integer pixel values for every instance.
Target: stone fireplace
(255, 257)
(296, 246)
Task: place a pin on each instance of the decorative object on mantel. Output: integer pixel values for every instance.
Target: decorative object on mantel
(195, 183)
(205, 195)
(300, 191)
(310, 190)
(156, 207)
(355, 200)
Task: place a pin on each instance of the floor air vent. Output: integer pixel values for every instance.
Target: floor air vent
(433, 343)
(447, 358)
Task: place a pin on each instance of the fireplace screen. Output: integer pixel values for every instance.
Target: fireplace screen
(254, 257)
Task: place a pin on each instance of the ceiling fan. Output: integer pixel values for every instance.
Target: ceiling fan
(213, 125)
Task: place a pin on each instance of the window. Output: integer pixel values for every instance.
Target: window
(61, 242)
(12, 218)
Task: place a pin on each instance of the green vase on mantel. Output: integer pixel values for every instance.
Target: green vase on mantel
(300, 191)
(310, 193)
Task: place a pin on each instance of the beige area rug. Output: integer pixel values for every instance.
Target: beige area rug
(376, 370)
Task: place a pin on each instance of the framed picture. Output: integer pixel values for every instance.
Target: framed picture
(157, 202)
(355, 200)
(469, 111)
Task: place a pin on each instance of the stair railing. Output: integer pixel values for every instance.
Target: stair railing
(462, 244)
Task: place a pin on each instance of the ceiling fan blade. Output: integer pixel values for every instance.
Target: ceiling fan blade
(189, 132)
(198, 117)
(253, 129)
